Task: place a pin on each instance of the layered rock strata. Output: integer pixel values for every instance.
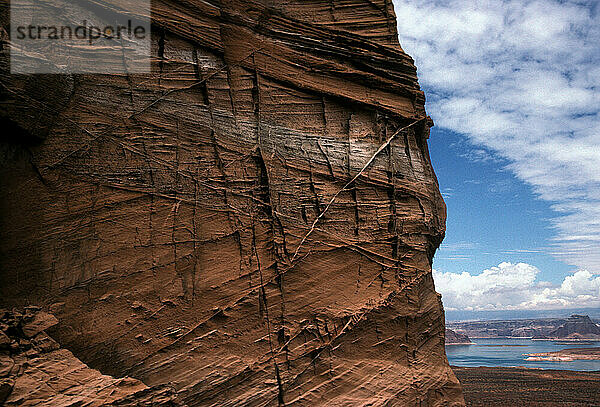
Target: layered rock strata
(34, 371)
(577, 327)
(253, 223)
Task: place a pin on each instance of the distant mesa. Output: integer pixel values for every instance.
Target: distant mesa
(573, 328)
(577, 327)
(455, 338)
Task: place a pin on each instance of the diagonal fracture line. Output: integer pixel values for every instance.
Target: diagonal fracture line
(364, 168)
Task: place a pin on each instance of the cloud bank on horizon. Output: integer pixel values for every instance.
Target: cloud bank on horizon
(521, 78)
(511, 286)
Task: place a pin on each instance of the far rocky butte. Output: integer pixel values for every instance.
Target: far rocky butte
(455, 338)
(576, 327)
(252, 224)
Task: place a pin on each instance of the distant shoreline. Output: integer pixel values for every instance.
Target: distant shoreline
(502, 337)
(565, 355)
(539, 339)
(567, 339)
(515, 352)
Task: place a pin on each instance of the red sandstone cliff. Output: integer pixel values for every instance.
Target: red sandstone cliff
(252, 224)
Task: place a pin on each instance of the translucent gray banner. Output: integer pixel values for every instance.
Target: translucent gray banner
(78, 36)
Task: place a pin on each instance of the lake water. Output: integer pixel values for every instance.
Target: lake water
(509, 352)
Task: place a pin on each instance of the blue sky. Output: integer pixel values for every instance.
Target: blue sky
(513, 87)
(493, 217)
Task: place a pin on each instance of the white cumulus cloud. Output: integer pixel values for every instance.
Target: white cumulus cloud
(510, 286)
(521, 78)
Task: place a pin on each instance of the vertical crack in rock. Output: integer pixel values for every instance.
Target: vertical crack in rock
(203, 86)
(252, 223)
(280, 254)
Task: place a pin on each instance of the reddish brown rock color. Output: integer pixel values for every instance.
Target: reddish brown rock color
(253, 223)
(34, 371)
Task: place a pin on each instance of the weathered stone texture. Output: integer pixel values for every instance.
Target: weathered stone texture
(253, 223)
(34, 371)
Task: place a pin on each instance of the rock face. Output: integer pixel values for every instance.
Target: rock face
(455, 338)
(577, 327)
(253, 223)
(34, 371)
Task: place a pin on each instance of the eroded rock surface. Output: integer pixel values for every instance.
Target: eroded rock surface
(34, 371)
(456, 338)
(253, 223)
(577, 327)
